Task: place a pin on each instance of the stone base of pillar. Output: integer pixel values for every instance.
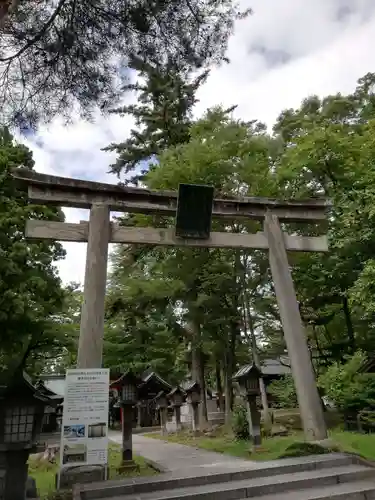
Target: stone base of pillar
(70, 476)
(127, 466)
(257, 449)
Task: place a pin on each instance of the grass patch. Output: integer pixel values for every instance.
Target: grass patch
(271, 448)
(354, 442)
(302, 449)
(44, 473)
(277, 447)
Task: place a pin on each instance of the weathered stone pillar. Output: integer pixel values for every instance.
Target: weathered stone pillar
(90, 346)
(303, 374)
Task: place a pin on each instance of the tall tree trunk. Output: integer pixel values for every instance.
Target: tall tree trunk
(219, 385)
(262, 386)
(229, 367)
(235, 333)
(228, 388)
(349, 323)
(198, 372)
(202, 382)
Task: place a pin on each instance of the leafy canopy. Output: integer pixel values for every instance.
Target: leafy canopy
(30, 289)
(68, 54)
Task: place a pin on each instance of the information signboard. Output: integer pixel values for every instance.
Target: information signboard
(84, 429)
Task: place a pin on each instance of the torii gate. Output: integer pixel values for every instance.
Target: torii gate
(101, 198)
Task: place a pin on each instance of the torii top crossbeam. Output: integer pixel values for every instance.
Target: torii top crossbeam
(78, 193)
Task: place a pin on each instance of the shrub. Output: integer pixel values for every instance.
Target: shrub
(284, 392)
(350, 391)
(240, 424)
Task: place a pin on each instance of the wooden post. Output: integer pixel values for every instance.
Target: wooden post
(253, 416)
(195, 419)
(163, 420)
(254, 349)
(139, 415)
(177, 414)
(127, 427)
(307, 393)
(92, 318)
(127, 462)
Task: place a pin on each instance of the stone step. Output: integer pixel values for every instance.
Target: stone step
(357, 490)
(261, 486)
(203, 476)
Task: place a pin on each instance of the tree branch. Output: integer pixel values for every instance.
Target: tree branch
(38, 36)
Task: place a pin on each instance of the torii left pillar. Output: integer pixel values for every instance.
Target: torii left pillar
(90, 347)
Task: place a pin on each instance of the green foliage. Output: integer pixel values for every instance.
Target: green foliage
(335, 293)
(163, 115)
(240, 423)
(362, 293)
(204, 291)
(284, 391)
(196, 291)
(66, 332)
(350, 390)
(141, 328)
(30, 290)
(77, 53)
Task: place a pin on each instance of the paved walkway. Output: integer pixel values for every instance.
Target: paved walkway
(177, 457)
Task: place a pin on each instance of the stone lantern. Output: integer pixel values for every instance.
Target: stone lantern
(193, 398)
(248, 379)
(21, 415)
(161, 402)
(176, 398)
(127, 386)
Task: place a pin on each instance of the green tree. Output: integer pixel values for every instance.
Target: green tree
(163, 114)
(323, 149)
(284, 392)
(62, 354)
(203, 284)
(319, 160)
(142, 328)
(349, 389)
(30, 289)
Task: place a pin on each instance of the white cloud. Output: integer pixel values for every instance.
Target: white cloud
(287, 50)
(327, 56)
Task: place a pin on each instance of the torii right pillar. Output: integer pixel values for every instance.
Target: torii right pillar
(309, 402)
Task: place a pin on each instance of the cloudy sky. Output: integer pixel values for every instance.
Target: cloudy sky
(287, 50)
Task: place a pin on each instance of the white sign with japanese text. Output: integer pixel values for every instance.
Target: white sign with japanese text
(84, 430)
